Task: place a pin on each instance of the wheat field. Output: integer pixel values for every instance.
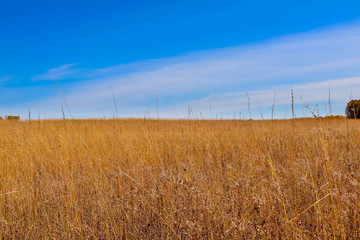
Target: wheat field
(180, 179)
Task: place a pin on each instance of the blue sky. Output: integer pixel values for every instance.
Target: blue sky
(185, 53)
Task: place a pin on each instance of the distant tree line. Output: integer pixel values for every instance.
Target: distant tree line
(12, 118)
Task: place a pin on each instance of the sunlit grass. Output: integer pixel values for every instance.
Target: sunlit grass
(157, 179)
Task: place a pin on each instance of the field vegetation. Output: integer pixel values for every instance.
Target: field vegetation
(180, 179)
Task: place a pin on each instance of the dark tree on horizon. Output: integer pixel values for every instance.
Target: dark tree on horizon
(353, 109)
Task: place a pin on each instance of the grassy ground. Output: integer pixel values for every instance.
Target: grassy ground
(148, 179)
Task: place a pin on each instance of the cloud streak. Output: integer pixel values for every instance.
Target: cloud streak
(309, 93)
(62, 72)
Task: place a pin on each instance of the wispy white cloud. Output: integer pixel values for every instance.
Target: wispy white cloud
(309, 93)
(309, 61)
(62, 72)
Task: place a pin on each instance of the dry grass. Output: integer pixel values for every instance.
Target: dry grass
(152, 179)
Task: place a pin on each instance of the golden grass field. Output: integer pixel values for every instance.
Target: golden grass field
(180, 179)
